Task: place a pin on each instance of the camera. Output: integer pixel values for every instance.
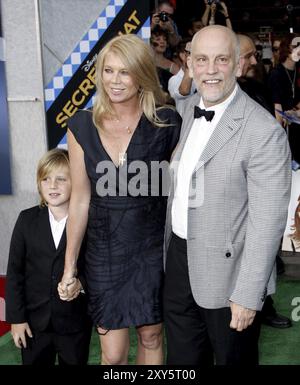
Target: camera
(212, 1)
(163, 16)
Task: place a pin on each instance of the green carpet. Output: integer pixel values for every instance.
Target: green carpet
(282, 346)
(277, 347)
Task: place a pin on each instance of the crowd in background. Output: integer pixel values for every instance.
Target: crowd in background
(274, 68)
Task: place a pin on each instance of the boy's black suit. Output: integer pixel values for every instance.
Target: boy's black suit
(35, 268)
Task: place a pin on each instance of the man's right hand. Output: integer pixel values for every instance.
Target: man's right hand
(241, 317)
(19, 332)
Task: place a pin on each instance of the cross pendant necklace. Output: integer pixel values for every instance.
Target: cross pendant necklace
(122, 158)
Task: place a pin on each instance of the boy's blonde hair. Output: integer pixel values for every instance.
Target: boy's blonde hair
(53, 159)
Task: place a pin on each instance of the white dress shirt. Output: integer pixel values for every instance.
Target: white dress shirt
(196, 142)
(173, 88)
(57, 227)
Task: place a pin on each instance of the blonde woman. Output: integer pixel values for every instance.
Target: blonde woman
(125, 228)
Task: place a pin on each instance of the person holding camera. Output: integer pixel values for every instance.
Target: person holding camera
(163, 17)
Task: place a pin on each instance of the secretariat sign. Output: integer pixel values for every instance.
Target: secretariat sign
(68, 92)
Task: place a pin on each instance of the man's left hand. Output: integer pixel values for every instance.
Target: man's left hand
(241, 317)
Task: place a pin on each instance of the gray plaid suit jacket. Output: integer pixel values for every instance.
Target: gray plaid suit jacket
(234, 233)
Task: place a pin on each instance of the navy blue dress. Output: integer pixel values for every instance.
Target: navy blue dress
(124, 257)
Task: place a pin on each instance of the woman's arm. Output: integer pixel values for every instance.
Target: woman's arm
(226, 15)
(78, 209)
(205, 15)
(213, 9)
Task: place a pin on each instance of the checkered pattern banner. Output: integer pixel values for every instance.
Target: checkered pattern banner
(80, 52)
(73, 86)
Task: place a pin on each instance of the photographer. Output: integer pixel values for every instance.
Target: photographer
(163, 17)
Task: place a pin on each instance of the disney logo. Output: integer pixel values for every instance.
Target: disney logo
(89, 63)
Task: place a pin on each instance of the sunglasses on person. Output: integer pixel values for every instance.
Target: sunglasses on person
(275, 49)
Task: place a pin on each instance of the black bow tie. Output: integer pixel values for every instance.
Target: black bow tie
(198, 112)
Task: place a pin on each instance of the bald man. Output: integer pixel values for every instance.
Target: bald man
(247, 52)
(247, 81)
(226, 212)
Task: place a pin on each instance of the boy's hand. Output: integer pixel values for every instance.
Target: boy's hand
(19, 332)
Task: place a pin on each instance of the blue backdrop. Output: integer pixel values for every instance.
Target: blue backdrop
(5, 177)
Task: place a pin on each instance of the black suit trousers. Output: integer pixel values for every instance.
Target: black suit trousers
(46, 346)
(199, 336)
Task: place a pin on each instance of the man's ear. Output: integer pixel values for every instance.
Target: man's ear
(190, 67)
(239, 67)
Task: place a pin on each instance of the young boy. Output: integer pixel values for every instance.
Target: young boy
(43, 325)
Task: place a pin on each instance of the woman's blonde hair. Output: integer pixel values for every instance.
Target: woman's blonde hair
(52, 160)
(137, 57)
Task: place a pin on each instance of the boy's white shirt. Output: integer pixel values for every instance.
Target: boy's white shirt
(57, 227)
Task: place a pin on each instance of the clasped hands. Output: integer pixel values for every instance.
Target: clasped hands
(69, 288)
